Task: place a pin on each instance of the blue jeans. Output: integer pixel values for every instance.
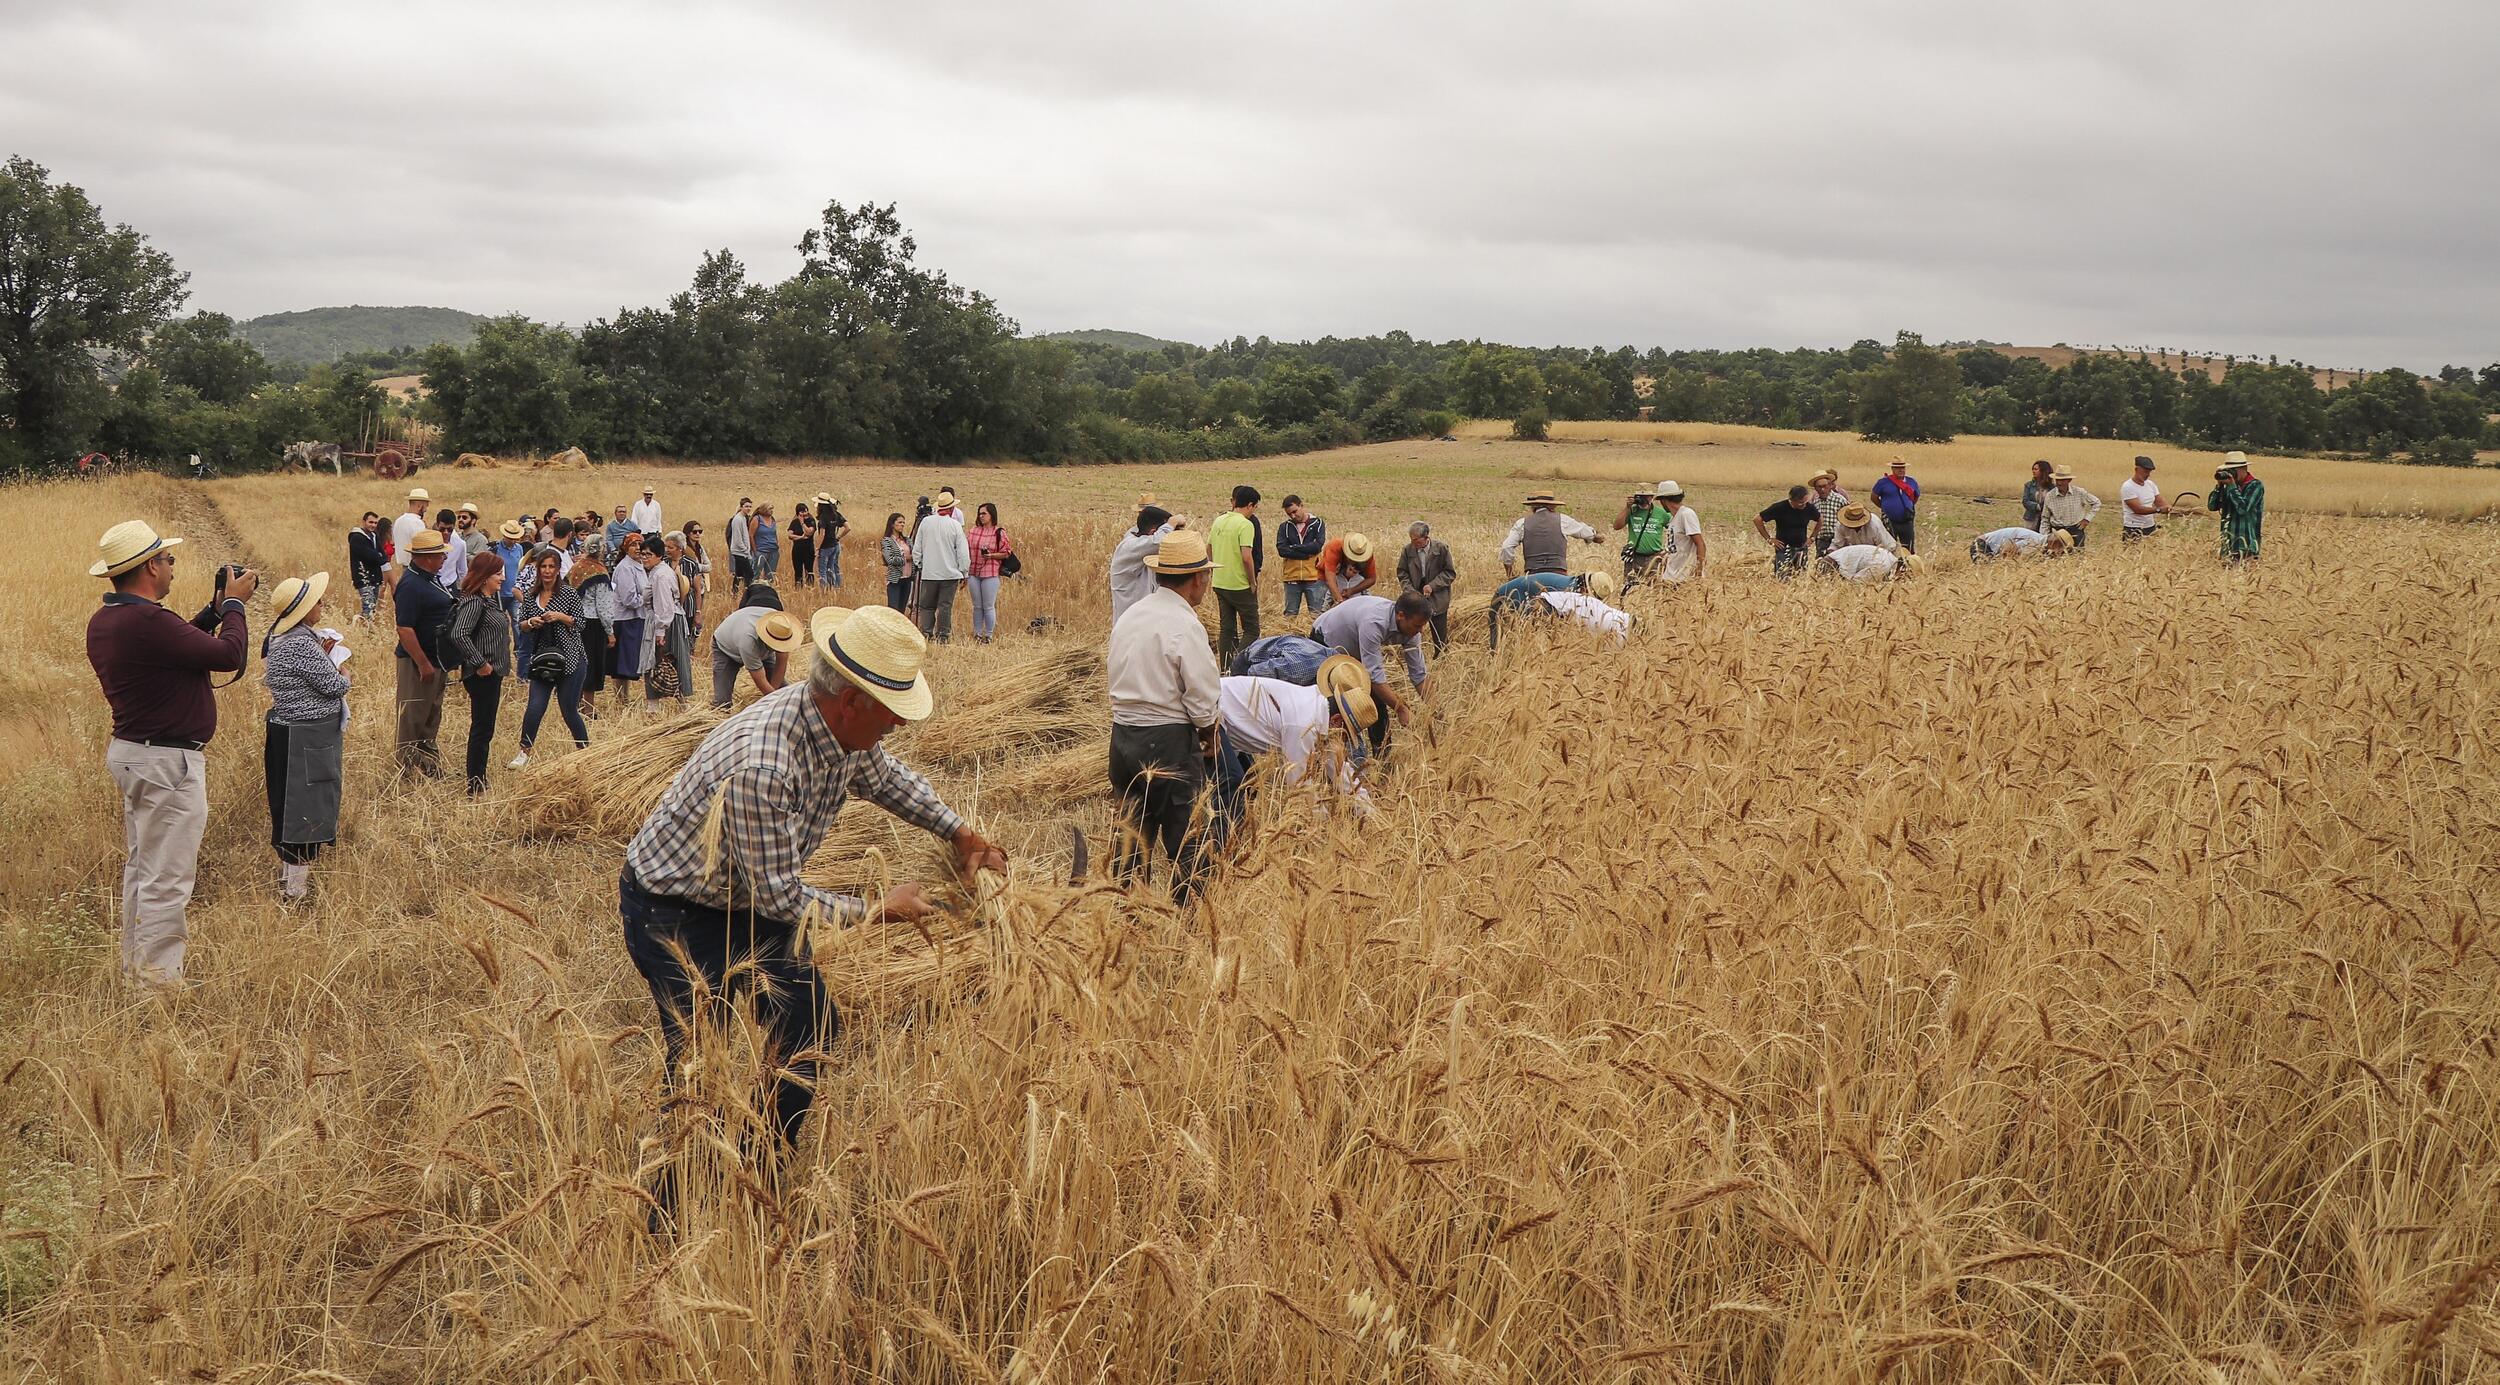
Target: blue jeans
(568, 695)
(984, 606)
(1287, 658)
(768, 563)
(1515, 595)
(1313, 593)
(829, 564)
(371, 595)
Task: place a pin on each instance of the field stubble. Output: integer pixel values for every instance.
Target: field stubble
(2049, 971)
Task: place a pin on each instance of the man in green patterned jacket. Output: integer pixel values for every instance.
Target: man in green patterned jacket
(2241, 501)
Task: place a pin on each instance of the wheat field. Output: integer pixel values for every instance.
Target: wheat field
(2048, 971)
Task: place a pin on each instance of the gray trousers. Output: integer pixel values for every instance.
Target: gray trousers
(164, 811)
(937, 607)
(726, 671)
(420, 718)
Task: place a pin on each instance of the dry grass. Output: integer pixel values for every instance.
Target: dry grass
(2052, 971)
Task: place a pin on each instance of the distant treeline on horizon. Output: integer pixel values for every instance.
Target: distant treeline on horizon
(864, 352)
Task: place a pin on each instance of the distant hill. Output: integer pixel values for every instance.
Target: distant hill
(2211, 367)
(1103, 336)
(318, 335)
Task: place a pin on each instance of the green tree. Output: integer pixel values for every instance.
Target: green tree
(1293, 391)
(513, 390)
(202, 354)
(1165, 401)
(70, 286)
(1916, 396)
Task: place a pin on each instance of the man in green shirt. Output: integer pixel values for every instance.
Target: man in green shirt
(2241, 501)
(1648, 521)
(1235, 538)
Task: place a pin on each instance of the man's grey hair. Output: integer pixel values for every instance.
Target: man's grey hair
(824, 677)
(1418, 528)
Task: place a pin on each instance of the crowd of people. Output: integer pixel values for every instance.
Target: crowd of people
(711, 895)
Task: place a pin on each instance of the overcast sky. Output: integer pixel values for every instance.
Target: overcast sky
(2314, 180)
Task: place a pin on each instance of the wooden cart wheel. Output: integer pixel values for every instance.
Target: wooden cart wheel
(389, 464)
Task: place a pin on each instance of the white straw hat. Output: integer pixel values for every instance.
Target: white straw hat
(125, 546)
(1358, 548)
(1602, 585)
(419, 494)
(294, 599)
(780, 630)
(879, 652)
(1342, 680)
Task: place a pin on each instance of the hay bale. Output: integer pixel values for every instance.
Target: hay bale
(570, 459)
(475, 461)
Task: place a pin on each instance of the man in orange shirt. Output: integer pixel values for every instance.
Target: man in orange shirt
(1348, 568)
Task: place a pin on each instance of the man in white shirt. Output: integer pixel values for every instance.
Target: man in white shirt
(1585, 601)
(406, 527)
(1865, 562)
(2142, 501)
(2013, 542)
(1306, 727)
(942, 556)
(1685, 552)
(646, 514)
(1130, 581)
(1166, 705)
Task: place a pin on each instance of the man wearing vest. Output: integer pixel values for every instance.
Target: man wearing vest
(154, 667)
(1541, 537)
(1646, 542)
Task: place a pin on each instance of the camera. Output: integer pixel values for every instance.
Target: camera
(227, 572)
(2222, 473)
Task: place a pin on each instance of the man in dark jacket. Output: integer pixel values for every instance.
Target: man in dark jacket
(365, 561)
(424, 610)
(1425, 568)
(1298, 543)
(154, 667)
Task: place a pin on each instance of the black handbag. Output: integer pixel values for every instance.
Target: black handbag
(547, 666)
(1010, 565)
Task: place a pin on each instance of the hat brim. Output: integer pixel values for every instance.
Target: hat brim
(292, 614)
(1205, 564)
(1332, 669)
(912, 703)
(105, 568)
(796, 641)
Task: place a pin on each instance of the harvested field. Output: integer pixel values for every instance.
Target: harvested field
(2044, 971)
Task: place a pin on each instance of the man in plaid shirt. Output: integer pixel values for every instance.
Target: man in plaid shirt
(713, 874)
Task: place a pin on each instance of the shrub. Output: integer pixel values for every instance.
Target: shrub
(1530, 426)
(1437, 423)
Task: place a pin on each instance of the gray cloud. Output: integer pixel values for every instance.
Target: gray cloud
(2299, 178)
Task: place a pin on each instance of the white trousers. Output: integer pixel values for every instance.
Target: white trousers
(164, 811)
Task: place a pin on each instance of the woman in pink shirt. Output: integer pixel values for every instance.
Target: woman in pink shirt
(989, 544)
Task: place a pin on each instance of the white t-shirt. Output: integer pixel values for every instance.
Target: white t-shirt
(1680, 554)
(1591, 612)
(1864, 562)
(2148, 492)
(403, 529)
(2024, 540)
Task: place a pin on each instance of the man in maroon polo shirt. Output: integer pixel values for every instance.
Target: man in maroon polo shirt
(154, 667)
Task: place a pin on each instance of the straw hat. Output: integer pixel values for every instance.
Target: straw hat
(1855, 513)
(878, 652)
(295, 599)
(1900, 463)
(2237, 461)
(1541, 498)
(1912, 565)
(780, 630)
(1668, 490)
(1826, 474)
(125, 546)
(426, 541)
(1358, 548)
(2058, 542)
(1645, 491)
(1182, 552)
(510, 532)
(418, 493)
(946, 498)
(1342, 681)
(468, 507)
(824, 497)
(646, 490)
(1145, 498)
(1601, 585)
(2062, 473)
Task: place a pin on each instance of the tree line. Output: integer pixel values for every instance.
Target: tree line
(864, 351)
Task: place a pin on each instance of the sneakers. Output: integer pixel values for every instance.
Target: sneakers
(520, 761)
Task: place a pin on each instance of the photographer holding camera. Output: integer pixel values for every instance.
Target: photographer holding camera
(154, 667)
(1648, 523)
(2241, 501)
